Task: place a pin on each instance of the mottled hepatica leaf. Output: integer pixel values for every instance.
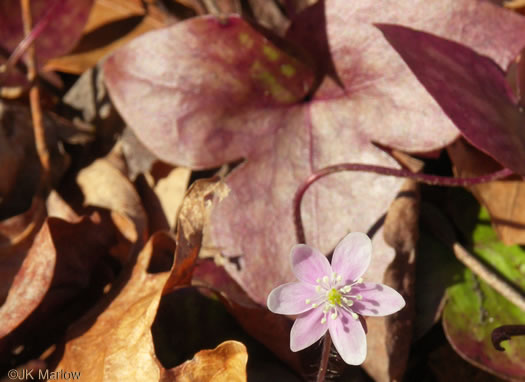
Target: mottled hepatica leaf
(205, 92)
(470, 88)
(474, 309)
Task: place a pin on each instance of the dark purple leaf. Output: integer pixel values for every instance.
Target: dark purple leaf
(470, 88)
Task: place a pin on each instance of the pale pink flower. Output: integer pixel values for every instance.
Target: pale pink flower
(332, 297)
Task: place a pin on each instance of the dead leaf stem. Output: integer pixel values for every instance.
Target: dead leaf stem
(34, 99)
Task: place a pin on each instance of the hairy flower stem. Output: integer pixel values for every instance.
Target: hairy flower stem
(433, 180)
(325, 356)
(504, 333)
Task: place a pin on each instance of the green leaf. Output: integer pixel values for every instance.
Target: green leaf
(474, 309)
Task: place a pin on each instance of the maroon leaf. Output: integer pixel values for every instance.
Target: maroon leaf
(220, 77)
(198, 104)
(65, 21)
(470, 88)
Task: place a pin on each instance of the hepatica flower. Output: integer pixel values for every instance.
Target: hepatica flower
(333, 297)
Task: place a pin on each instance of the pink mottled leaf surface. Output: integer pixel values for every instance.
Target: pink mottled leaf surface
(470, 88)
(67, 20)
(201, 103)
(195, 96)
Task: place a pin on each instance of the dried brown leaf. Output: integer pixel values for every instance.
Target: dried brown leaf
(505, 200)
(191, 222)
(170, 190)
(114, 342)
(269, 15)
(55, 268)
(103, 185)
(162, 197)
(111, 24)
(225, 363)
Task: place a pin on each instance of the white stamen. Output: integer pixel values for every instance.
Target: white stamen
(325, 279)
(334, 315)
(354, 315)
(323, 320)
(308, 301)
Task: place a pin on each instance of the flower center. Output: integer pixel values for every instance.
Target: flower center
(332, 295)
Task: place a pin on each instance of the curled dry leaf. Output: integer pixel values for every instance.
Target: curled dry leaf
(139, 159)
(103, 185)
(389, 337)
(111, 23)
(163, 196)
(268, 14)
(16, 237)
(225, 363)
(191, 223)
(114, 342)
(53, 261)
(57, 207)
(505, 200)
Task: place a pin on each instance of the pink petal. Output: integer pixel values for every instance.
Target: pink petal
(349, 338)
(308, 264)
(290, 298)
(378, 300)
(352, 256)
(307, 329)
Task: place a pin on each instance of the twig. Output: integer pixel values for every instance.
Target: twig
(434, 180)
(325, 355)
(498, 283)
(34, 100)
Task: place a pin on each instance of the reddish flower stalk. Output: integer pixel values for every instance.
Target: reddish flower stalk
(433, 180)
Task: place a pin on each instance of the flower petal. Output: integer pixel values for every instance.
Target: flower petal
(352, 256)
(378, 300)
(290, 298)
(348, 337)
(307, 329)
(308, 264)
